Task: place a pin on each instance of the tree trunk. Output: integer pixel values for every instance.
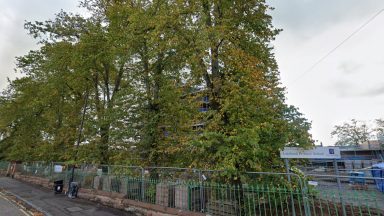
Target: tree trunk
(104, 144)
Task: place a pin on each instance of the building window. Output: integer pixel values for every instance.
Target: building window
(204, 107)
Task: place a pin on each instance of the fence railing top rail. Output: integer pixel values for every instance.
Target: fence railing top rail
(341, 176)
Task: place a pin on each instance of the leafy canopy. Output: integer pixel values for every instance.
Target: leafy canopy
(145, 67)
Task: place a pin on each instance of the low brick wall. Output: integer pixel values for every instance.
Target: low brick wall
(117, 200)
(34, 180)
(113, 199)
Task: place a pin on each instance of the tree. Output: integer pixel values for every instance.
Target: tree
(41, 107)
(351, 134)
(99, 64)
(379, 128)
(230, 54)
(140, 63)
(157, 83)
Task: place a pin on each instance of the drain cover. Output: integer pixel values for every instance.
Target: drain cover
(74, 209)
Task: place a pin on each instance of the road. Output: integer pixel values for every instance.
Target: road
(7, 207)
(57, 205)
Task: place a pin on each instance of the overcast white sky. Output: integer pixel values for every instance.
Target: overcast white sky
(347, 84)
(14, 40)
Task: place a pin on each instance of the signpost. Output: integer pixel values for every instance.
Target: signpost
(314, 153)
(58, 168)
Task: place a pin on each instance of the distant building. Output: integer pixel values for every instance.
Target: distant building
(357, 157)
(204, 106)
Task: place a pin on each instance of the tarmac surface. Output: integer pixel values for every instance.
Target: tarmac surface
(49, 203)
(9, 208)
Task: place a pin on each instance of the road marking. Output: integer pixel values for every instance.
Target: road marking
(18, 198)
(2, 195)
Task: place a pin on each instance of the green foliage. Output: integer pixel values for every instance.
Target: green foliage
(144, 66)
(351, 134)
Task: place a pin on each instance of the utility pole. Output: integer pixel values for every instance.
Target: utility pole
(79, 137)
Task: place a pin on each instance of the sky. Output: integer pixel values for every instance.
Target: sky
(348, 84)
(14, 39)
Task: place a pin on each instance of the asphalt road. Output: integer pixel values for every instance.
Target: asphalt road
(9, 208)
(57, 205)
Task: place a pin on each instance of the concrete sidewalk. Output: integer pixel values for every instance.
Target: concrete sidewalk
(57, 205)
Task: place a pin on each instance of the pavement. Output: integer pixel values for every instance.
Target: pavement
(49, 203)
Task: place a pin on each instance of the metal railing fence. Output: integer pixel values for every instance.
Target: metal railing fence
(4, 166)
(354, 195)
(39, 168)
(259, 193)
(367, 172)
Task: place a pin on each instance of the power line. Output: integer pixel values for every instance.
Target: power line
(339, 45)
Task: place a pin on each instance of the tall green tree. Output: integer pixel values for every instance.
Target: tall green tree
(45, 91)
(145, 67)
(152, 29)
(231, 56)
(100, 65)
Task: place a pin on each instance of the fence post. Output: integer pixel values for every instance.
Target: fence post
(307, 209)
(51, 171)
(339, 187)
(142, 184)
(289, 180)
(202, 196)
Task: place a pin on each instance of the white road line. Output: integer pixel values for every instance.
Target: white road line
(2, 195)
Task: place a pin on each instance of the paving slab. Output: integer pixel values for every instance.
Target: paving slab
(57, 205)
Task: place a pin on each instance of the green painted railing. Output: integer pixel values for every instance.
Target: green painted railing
(212, 198)
(4, 165)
